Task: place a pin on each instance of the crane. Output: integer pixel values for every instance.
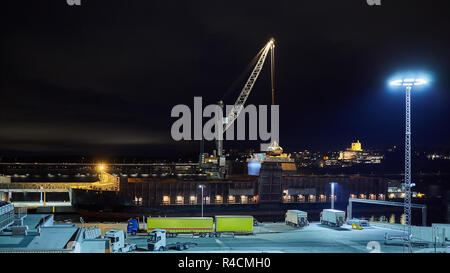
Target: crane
(245, 92)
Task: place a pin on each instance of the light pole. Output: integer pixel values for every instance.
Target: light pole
(408, 83)
(201, 187)
(332, 194)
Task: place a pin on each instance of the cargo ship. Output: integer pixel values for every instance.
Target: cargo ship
(120, 191)
(272, 188)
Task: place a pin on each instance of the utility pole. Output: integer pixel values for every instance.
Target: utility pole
(201, 187)
(332, 195)
(202, 202)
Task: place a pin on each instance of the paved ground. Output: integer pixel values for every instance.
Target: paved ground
(277, 237)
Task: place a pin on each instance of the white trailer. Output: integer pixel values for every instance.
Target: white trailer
(296, 218)
(332, 217)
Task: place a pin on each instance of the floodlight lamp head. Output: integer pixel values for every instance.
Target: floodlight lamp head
(408, 82)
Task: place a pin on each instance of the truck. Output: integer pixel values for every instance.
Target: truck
(157, 241)
(133, 226)
(332, 217)
(296, 218)
(241, 224)
(117, 240)
(182, 225)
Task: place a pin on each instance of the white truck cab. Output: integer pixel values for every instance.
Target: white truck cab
(117, 239)
(157, 240)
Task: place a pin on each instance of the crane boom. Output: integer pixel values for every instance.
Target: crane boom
(240, 101)
(239, 104)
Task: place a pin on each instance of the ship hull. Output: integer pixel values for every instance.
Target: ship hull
(108, 205)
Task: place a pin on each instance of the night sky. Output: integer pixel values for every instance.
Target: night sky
(102, 78)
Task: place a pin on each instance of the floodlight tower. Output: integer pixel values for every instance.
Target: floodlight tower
(408, 83)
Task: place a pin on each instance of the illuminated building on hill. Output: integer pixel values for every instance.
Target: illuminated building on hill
(353, 155)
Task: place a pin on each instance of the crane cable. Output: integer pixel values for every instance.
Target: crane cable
(240, 101)
(242, 75)
(272, 72)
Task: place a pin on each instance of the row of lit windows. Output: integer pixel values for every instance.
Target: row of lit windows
(322, 198)
(307, 198)
(369, 196)
(193, 200)
(244, 199)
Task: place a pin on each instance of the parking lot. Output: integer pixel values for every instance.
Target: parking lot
(280, 238)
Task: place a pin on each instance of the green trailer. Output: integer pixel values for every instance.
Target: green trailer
(236, 224)
(180, 225)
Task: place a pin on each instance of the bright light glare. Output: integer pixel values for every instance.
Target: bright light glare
(101, 167)
(408, 82)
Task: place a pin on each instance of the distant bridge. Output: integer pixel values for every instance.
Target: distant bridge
(106, 182)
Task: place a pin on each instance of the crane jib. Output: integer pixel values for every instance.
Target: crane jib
(239, 104)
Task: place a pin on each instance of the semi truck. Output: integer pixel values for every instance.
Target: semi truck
(181, 225)
(332, 217)
(296, 218)
(117, 239)
(240, 224)
(133, 226)
(157, 242)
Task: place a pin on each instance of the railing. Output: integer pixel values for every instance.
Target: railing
(106, 184)
(6, 220)
(36, 250)
(20, 212)
(37, 186)
(6, 215)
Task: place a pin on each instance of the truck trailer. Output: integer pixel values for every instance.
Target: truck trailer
(181, 225)
(296, 218)
(332, 217)
(240, 224)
